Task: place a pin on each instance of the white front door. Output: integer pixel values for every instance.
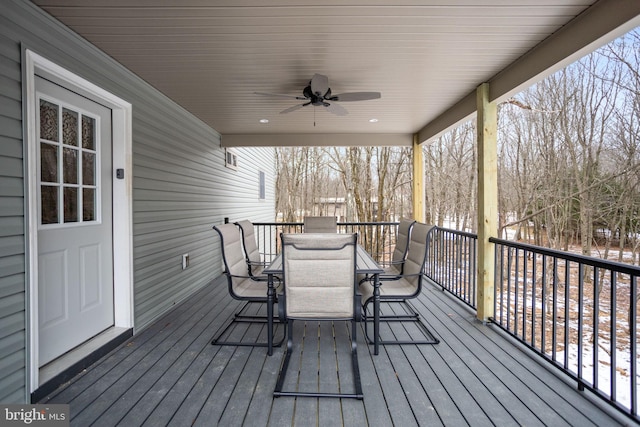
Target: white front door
(75, 230)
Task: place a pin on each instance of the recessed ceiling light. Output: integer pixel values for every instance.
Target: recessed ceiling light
(264, 120)
(373, 120)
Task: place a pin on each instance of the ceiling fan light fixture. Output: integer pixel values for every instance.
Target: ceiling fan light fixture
(264, 121)
(373, 120)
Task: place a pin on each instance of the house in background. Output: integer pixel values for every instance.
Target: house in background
(105, 179)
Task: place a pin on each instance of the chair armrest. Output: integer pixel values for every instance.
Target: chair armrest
(392, 277)
(390, 263)
(265, 278)
(358, 307)
(237, 276)
(259, 264)
(281, 308)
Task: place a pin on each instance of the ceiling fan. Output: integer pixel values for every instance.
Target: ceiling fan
(318, 93)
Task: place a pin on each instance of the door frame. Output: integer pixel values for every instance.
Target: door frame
(122, 197)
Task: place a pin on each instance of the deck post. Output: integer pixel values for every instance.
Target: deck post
(418, 181)
(487, 124)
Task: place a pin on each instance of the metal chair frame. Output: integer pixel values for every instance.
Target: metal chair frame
(416, 244)
(257, 297)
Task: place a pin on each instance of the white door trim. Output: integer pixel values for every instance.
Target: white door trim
(122, 197)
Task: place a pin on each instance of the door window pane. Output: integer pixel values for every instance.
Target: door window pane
(48, 121)
(88, 168)
(88, 204)
(48, 162)
(49, 204)
(69, 127)
(70, 166)
(88, 133)
(70, 204)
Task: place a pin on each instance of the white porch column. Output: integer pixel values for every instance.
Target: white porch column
(418, 181)
(487, 200)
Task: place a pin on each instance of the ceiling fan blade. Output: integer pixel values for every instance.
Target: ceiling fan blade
(336, 109)
(355, 96)
(319, 84)
(294, 108)
(278, 95)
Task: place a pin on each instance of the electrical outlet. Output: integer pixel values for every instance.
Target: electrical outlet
(185, 261)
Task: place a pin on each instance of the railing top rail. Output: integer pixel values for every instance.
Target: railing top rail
(458, 232)
(339, 223)
(592, 261)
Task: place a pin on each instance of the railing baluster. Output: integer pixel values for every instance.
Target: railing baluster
(524, 295)
(596, 327)
(533, 300)
(502, 296)
(613, 310)
(567, 308)
(633, 312)
(580, 323)
(554, 326)
(543, 320)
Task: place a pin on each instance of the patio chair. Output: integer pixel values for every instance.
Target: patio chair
(400, 288)
(320, 224)
(399, 255)
(255, 264)
(396, 266)
(319, 284)
(241, 285)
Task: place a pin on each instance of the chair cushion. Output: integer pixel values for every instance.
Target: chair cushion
(319, 274)
(249, 243)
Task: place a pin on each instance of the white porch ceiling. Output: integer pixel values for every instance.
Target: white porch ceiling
(426, 57)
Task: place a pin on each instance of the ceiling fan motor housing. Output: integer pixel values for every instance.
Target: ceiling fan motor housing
(316, 98)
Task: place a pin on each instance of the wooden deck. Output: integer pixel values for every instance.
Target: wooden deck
(170, 374)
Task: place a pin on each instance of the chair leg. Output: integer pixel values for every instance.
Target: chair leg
(411, 314)
(239, 317)
(278, 392)
(354, 360)
(430, 338)
(285, 364)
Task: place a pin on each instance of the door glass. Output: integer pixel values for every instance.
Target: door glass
(48, 121)
(49, 204)
(88, 204)
(69, 127)
(88, 168)
(88, 133)
(70, 204)
(68, 165)
(48, 162)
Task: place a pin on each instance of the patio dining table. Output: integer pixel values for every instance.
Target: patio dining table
(365, 264)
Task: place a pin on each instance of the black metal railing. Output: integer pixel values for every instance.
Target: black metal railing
(579, 313)
(378, 238)
(451, 263)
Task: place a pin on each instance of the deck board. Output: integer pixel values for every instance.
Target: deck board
(170, 374)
